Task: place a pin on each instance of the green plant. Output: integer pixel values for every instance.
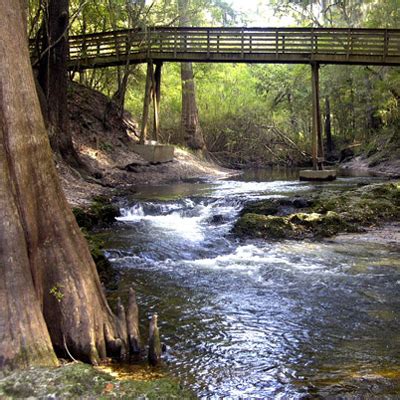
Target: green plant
(56, 292)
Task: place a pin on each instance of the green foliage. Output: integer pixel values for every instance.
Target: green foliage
(239, 103)
(56, 292)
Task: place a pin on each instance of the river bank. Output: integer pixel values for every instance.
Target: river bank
(78, 380)
(104, 142)
(374, 167)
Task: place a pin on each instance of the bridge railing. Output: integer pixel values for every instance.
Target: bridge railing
(171, 43)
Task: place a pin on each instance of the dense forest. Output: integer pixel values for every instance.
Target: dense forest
(251, 113)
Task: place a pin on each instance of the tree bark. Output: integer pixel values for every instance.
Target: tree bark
(45, 262)
(133, 324)
(190, 123)
(317, 145)
(25, 8)
(53, 78)
(328, 127)
(154, 355)
(146, 103)
(24, 338)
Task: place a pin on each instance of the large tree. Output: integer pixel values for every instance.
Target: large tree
(190, 123)
(50, 293)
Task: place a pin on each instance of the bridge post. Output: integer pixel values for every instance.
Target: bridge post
(146, 103)
(317, 145)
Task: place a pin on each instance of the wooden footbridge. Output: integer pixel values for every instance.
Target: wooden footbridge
(313, 46)
(261, 45)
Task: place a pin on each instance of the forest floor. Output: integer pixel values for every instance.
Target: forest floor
(104, 142)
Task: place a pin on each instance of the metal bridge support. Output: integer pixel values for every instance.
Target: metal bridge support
(317, 144)
(152, 92)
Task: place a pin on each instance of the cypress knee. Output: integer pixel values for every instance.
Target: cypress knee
(132, 319)
(154, 342)
(122, 329)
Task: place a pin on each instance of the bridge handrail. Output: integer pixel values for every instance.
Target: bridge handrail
(239, 41)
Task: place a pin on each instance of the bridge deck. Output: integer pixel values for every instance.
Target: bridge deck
(261, 45)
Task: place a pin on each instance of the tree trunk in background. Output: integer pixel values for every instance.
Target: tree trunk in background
(293, 117)
(190, 124)
(53, 78)
(328, 127)
(47, 270)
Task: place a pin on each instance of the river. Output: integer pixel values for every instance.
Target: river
(260, 319)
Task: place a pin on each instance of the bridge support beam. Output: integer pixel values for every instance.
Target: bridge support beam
(317, 144)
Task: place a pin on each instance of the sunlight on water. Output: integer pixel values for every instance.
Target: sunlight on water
(257, 189)
(187, 227)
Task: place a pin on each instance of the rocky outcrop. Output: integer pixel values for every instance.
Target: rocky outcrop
(323, 215)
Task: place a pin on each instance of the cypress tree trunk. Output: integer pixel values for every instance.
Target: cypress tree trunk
(53, 78)
(328, 127)
(48, 275)
(190, 124)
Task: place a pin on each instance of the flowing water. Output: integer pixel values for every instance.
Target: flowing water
(260, 319)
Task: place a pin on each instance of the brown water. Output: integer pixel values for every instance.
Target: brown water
(256, 319)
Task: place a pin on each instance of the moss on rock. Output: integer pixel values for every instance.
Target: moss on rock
(78, 380)
(100, 213)
(364, 206)
(276, 206)
(263, 207)
(261, 226)
(328, 214)
(107, 273)
(315, 224)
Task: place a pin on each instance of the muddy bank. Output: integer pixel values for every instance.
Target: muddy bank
(373, 166)
(104, 142)
(321, 215)
(184, 167)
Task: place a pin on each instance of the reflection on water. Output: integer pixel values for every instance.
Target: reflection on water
(258, 319)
